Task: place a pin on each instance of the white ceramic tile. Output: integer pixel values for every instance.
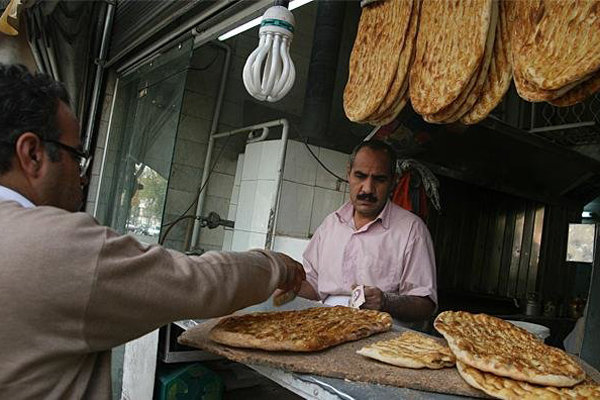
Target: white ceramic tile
(220, 185)
(246, 205)
(235, 193)
(244, 240)
(269, 159)
(337, 163)
(251, 161)
(325, 202)
(239, 241)
(227, 240)
(263, 201)
(232, 211)
(300, 166)
(238, 169)
(256, 240)
(293, 247)
(295, 209)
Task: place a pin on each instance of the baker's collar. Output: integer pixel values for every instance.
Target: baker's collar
(7, 194)
(346, 212)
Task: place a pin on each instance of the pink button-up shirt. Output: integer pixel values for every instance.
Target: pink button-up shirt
(394, 252)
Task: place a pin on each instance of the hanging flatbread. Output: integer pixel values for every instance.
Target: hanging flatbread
(411, 350)
(579, 93)
(395, 100)
(493, 345)
(499, 75)
(466, 99)
(561, 44)
(375, 55)
(450, 47)
(510, 389)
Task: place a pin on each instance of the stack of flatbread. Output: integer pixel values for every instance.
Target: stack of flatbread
(555, 49)
(453, 54)
(377, 87)
(507, 362)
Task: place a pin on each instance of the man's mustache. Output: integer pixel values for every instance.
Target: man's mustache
(367, 197)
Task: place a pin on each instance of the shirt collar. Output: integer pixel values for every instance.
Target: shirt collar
(345, 214)
(7, 194)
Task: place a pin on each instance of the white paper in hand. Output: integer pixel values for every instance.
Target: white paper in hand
(357, 298)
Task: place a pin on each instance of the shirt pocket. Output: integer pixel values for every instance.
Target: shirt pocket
(380, 271)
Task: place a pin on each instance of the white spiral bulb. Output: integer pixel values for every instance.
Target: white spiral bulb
(269, 71)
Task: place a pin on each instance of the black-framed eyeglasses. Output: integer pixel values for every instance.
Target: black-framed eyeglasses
(83, 157)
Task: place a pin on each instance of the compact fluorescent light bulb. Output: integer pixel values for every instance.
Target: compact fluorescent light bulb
(269, 71)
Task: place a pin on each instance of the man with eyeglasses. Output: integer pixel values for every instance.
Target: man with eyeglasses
(70, 289)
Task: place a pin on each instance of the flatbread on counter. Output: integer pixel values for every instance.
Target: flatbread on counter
(510, 389)
(306, 330)
(411, 350)
(493, 345)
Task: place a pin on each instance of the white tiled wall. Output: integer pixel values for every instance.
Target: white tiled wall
(308, 194)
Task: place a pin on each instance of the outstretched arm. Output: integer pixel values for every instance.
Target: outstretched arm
(403, 308)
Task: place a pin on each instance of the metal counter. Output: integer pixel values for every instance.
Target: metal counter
(325, 388)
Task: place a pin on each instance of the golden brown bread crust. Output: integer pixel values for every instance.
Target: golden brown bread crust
(312, 329)
(411, 350)
(499, 75)
(467, 98)
(559, 41)
(395, 98)
(510, 389)
(375, 55)
(450, 47)
(579, 93)
(494, 345)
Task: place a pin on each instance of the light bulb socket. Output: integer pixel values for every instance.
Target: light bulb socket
(282, 3)
(278, 20)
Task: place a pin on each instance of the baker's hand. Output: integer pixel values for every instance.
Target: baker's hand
(295, 274)
(373, 298)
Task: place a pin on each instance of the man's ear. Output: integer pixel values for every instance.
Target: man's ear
(29, 153)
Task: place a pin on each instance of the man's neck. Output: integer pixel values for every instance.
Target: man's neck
(362, 220)
(8, 180)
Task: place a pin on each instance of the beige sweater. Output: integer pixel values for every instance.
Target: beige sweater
(70, 290)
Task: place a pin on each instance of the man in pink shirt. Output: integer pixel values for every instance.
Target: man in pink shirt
(371, 241)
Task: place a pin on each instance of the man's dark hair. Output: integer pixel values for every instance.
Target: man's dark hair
(376, 145)
(28, 103)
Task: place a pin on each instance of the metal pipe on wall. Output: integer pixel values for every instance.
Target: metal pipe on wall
(213, 129)
(278, 182)
(99, 76)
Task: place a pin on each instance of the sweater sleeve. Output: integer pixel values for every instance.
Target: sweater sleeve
(138, 288)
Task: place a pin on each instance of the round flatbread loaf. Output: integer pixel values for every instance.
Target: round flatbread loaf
(395, 98)
(311, 329)
(510, 389)
(465, 101)
(497, 346)
(559, 42)
(579, 93)
(375, 55)
(450, 47)
(499, 75)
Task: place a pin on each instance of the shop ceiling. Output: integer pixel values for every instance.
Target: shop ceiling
(522, 148)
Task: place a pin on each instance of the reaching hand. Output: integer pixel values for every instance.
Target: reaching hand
(373, 298)
(295, 274)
